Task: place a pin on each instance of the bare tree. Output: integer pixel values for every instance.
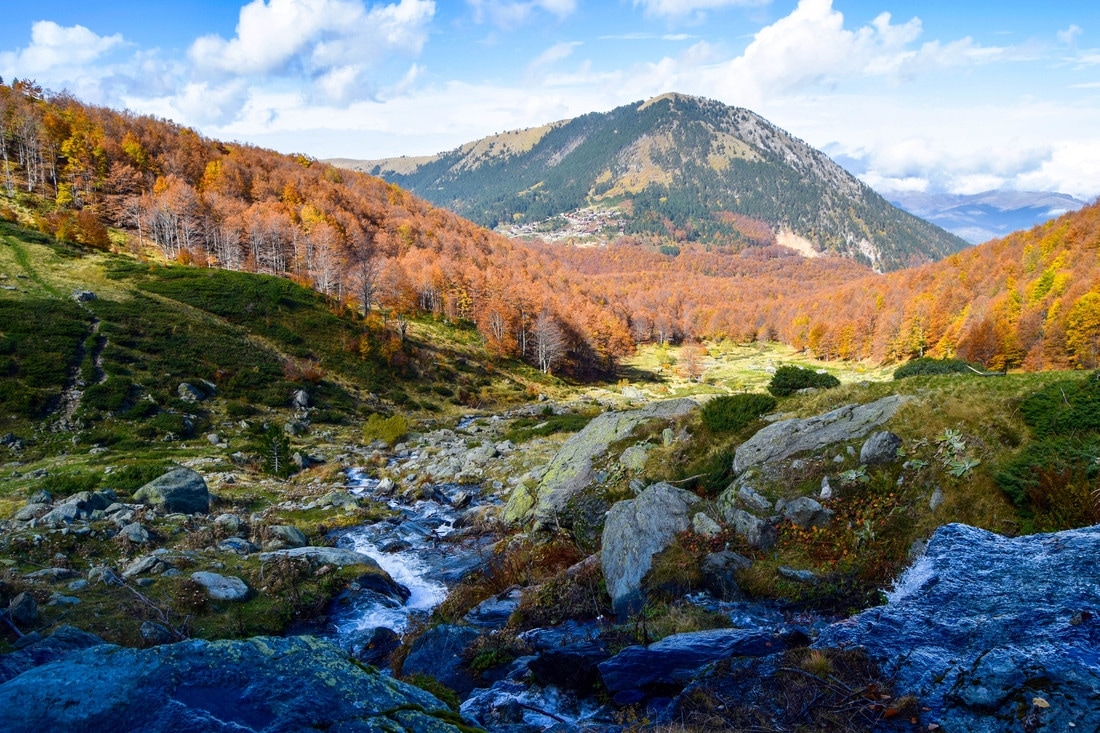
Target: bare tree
(549, 341)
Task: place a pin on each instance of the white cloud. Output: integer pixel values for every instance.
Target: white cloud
(552, 55)
(512, 14)
(1069, 35)
(53, 46)
(685, 8)
(333, 40)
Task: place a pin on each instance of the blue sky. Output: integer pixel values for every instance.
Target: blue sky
(936, 96)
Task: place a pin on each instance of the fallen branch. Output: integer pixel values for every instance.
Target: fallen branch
(987, 374)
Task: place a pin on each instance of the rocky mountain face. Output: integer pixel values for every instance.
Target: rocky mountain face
(676, 167)
(984, 216)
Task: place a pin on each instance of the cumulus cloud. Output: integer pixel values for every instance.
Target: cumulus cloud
(512, 14)
(53, 46)
(334, 42)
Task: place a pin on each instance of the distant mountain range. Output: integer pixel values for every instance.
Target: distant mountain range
(984, 216)
(676, 169)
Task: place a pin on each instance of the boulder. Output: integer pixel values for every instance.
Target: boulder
(23, 610)
(720, 574)
(190, 393)
(675, 660)
(221, 587)
(317, 556)
(139, 566)
(264, 683)
(300, 400)
(31, 511)
(438, 653)
(572, 471)
(981, 625)
(704, 526)
(572, 667)
(634, 457)
(880, 447)
(238, 545)
(805, 512)
(785, 438)
(180, 490)
(635, 531)
(231, 523)
(759, 533)
(292, 536)
(494, 612)
(379, 647)
(64, 514)
(153, 633)
(135, 533)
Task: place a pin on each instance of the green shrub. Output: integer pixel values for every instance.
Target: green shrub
(67, 484)
(387, 429)
(1068, 407)
(733, 412)
(133, 476)
(525, 428)
(239, 409)
(789, 379)
(110, 396)
(925, 366)
(272, 447)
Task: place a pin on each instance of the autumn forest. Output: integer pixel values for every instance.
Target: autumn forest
(117, 180)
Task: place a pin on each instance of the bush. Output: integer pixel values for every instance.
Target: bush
(387, 429)
(926, 366)
(789, 379)
(733, 412)
(1064, 408)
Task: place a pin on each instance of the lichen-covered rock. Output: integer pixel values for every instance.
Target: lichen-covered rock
(805, 512)
(759, 533)
(635, 531)
(221, 587)
(982, 625)
(571, 471)
(180, 490)
(438, 653)
(787, 437)
(261, 684)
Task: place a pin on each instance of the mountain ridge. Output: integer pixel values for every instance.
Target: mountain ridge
(681, 169)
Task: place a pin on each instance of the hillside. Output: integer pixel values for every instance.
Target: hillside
(679, 168)
(984, 216)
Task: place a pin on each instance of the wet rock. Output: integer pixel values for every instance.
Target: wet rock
(880, 447)
(573, 667)
(23, 610)
(635, 531)
(379, 647)
(675, 660)
(572, 471)
(720, 574)
(494, 612)
(804, 512)
(438, 653)
(787, 437)
(215, 686)
(180, 490)
(982, 624)
(317, 556)
(221, 587)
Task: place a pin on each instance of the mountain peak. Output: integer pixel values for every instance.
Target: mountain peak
(691, 170)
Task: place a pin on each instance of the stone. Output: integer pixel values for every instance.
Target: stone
(135, 533)
(880, 447)
(805, 512)
(982, 624)
(339, 499)
(51, 574)
(826, 489)
(495, 611)
(634, 458)
(572, 469)
(238, 545)
(31, 511)
(300, 400)
(633, 394)
(753, 501)
(231, 523)
(759, 533)
(64, 514)
(317, 556)
(213, 438)
(292, 536)
(154, 634)
(720, 574)
(263, 683)
(41, 496)
(704, 526)
(180, 490)
(438, 653)
(806, 577)
(190, 393)
(83, 296)
(785, 438)
(23, 610)
(379, 647)
(573, 667)
(675, 660)
(221, 587)
(936, 500)
(294, 427)
(139, 566)
(635, 531)
(103, 574)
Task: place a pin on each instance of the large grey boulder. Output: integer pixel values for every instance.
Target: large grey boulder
(438, 653)
(635, 531)
(180, 490)
(787, 437)
(571, 471)
(323, 556)
(759, 533)
(261, 684)
(981, 625)
(805, 512)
